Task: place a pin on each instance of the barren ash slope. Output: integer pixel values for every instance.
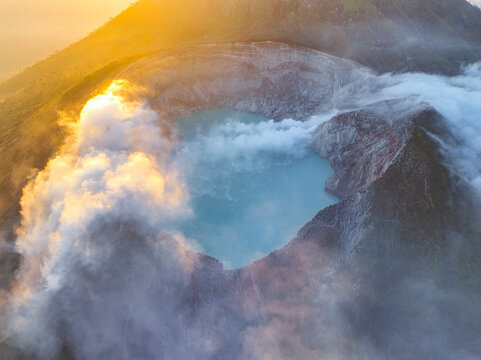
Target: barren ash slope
(390, 272)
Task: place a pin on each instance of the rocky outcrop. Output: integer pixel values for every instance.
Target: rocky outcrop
(362, 144)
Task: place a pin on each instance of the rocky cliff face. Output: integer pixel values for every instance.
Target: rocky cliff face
(273, 79)
(362, 145)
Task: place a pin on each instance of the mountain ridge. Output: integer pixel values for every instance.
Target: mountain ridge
(340, 12)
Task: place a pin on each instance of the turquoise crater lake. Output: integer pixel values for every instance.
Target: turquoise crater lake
(253, 182)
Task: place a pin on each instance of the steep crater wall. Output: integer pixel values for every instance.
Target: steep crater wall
(273, 79)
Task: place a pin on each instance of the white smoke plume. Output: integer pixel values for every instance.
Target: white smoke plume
(243, 143)
(115, 164)
(113, 177)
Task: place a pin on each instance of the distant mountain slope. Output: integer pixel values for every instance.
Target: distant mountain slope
(150, 25)
(387, 35)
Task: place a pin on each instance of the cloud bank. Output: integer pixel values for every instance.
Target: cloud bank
(458, 99)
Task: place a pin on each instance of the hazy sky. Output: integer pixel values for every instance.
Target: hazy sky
(30, 30)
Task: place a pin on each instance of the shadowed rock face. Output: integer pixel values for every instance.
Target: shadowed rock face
(361, 145)
(373, 276)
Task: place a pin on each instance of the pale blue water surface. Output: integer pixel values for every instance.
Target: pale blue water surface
(253, 182)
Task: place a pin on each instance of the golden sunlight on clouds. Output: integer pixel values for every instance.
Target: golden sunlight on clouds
(109, 175)
(31, 30)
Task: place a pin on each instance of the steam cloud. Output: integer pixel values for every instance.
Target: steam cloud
(243, 143)
(111, 189)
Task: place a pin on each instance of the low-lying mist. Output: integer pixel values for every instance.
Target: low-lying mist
(458, 99)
